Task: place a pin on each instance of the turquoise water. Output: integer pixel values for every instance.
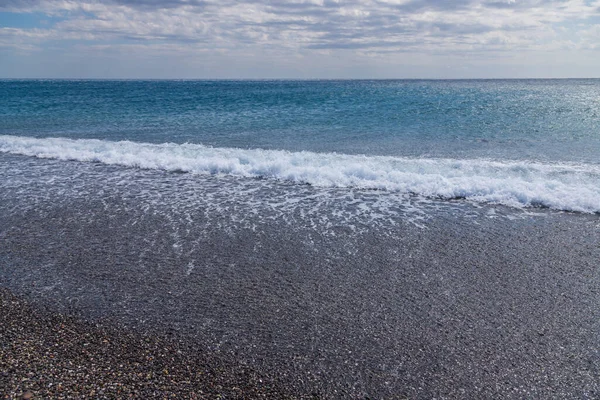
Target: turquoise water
(514, 142)
(525, 119)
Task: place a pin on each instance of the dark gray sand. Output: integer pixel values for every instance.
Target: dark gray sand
(468, 302)
(490, 313)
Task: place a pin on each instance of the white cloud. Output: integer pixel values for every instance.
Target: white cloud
(363, 29)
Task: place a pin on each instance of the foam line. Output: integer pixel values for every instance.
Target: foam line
(570, 187)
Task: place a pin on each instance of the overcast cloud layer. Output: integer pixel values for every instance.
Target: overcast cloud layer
(300, 38)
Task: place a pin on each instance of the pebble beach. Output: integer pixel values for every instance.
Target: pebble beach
(45, 355)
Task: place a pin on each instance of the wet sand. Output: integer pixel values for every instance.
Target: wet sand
(489, 314)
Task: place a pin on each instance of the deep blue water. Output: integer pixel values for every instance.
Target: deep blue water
(501, 119)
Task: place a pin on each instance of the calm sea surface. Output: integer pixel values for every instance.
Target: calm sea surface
(536, 120)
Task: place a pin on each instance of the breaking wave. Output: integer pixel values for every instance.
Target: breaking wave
(569, 187)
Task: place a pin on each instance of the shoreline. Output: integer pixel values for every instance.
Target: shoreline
(331, 293)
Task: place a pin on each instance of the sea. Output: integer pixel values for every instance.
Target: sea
(368, 236)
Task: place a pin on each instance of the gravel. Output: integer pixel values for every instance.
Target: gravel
(48, 355)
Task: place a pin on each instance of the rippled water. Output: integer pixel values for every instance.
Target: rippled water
(538, 120)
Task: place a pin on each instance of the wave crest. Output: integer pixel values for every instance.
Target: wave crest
(569, 187)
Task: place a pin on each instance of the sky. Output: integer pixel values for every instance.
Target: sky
(326, 39)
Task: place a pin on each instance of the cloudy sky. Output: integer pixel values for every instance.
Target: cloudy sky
(299, 38)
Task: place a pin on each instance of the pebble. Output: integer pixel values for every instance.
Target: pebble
(45, 355)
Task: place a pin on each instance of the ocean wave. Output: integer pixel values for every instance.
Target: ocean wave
(569, 187)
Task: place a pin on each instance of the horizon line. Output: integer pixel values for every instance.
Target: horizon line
(288, 79)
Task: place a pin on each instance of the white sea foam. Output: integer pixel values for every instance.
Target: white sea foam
(571, 187)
